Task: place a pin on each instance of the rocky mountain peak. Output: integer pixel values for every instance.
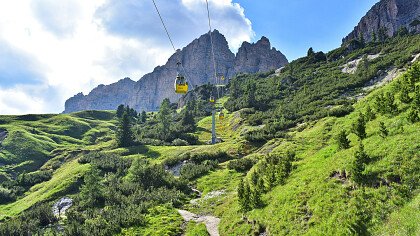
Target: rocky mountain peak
(258, 57)
(196, 58)
(385, 18)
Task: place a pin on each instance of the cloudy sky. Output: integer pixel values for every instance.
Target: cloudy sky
(53, 49)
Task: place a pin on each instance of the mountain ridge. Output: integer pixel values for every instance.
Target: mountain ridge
(385, 19)
(148, 92)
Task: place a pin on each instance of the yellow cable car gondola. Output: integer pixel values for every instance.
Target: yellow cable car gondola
(221, 115)
(222, 78)
(181, 85)
(212, 99)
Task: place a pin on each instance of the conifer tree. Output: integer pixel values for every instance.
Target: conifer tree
(143, 117)
(382, 129)
(404, 94)
(255, 198)
(244, 196)
(358, 166)
(124, 133)
(91, 192)
(342, 140)
(389, 103)
(369, 115)
(164, 117)
(359, 128)
(413, 115)
(120, 110)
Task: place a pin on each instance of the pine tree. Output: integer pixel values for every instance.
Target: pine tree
(91, 192)
(234, 88)
(382, 129)
(124, 133)
(164, 117)
(404, 94)
(255, 198)
(310, 53)
(358, 166)
(359, 128)
(389, 103)
(250, 94)
(187, 120)
(243, 195)
(369, 114)
(143, 117)
(380, 103)
(413, 115)
(120, 110)
(342, 140)
(416, 99)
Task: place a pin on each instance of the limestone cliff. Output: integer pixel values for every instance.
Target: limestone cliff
(258, 57)
(385, 19)
(148, 92)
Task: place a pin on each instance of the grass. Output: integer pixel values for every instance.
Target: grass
(61, 182)
(196, 229)
(161, 220)
(312, 202)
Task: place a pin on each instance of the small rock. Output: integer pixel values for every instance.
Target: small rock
(60, 207)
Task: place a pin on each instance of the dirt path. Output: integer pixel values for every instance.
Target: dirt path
(211, 222)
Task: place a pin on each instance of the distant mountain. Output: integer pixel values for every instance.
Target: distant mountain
(385, 19)
(148, 92)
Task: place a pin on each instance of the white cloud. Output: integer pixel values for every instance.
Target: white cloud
(76, 44)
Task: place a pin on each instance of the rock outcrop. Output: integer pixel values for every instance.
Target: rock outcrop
(103, 97)
(148, 92)
(258, 57)
(385, 18)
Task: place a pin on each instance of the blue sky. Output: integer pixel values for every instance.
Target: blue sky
(295, 25)
(51, 50)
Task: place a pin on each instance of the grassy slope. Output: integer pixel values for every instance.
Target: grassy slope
(50, 142)
(313, 203)
(309, 203)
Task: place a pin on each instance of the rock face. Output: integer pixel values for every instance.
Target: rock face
(103, 97)
(258, 57)
(148, 92)
(386, 18)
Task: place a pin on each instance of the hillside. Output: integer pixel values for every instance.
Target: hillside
(279, 170)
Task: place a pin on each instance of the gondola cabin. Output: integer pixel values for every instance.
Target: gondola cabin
(221, 115)
(181, 86)
(212, 99)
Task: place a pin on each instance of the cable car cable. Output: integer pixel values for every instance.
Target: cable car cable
(170, 39)
(212, 48)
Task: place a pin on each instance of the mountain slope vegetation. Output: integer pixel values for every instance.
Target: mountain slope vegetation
(307, 150)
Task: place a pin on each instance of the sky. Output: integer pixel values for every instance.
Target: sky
(51, 50)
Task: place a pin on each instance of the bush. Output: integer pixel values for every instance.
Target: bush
(6, 196)
(192, 171)
(179, 142)
(241, 165)
(30, 179)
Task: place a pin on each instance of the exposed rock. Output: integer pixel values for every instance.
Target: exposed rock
(3, 135)
(386, 18)
(382, 79)
(176, 169)
(258, 57)
(151, 89)
(60, 207)
(351, 66)
(211, 222)
(103, 97)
